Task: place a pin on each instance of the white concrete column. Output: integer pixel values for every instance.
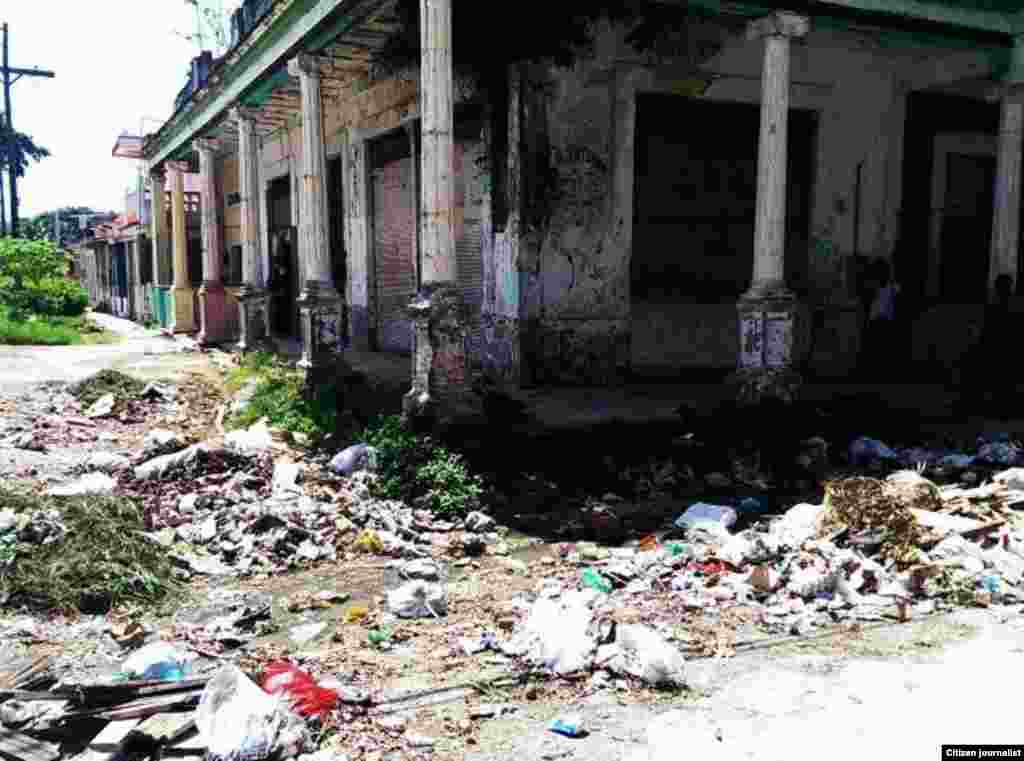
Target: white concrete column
(213, 315)
(437, 229)
(178, 232)
(252, 298)
(182, 294)
(158, 224)
(441, 368)
(314, 240)
(213, 259)
(768, 313)
(248, 186)
(1006, 220)
(770, 225)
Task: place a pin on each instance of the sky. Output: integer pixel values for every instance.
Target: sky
(119, 65)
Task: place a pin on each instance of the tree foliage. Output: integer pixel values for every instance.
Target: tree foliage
(41, 226)
(26, 150)
(33, 279)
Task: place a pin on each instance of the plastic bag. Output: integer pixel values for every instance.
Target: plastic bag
(237, 721)
(701, 515)
(158, 660)
(307, 697)
(556, 636)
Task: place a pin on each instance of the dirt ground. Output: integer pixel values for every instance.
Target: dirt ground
(895, 691)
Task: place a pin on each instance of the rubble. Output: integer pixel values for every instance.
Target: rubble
(107, 462)
(89, 484)
(102, 407)
(251, 441)
(160, 441)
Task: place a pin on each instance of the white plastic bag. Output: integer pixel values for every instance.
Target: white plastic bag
(645, 654)
(158, 660)
(418, 599)
(714, 518)
(556, 635)
(238, 721)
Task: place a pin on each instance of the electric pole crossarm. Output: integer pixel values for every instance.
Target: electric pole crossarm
(31, 72)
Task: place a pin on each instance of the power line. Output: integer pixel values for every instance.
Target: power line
(12, 140)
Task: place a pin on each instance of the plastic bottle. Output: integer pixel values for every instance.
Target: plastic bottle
(595, 580)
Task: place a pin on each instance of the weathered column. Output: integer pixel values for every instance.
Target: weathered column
(440, 374)
(320, 304)
(768, 310)
(213, 317)
(159, 294)
(182, 295)
(1006, 220)
(254, 316)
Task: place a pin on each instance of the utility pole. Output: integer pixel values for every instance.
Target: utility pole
(12, 141)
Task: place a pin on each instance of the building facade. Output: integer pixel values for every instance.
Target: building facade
(703, 203)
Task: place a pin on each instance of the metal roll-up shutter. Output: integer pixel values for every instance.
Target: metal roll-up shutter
(468, 241)
(394, 240)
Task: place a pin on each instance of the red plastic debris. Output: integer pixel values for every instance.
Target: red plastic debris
(308, 698)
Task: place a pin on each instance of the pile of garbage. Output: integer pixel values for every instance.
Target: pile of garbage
(874, 550)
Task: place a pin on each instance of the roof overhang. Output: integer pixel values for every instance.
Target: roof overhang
(294, 27)
(129, 147)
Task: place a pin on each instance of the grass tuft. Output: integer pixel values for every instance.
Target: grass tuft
(37, 330)
(279, 397)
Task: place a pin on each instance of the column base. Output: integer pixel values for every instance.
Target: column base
(441, 390)
(768, 318)
(253, 317)
(161, 301)
(213, 314)
(321, 323)
(753, 385)
(183, 319)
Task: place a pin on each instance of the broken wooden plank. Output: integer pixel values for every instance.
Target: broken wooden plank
(16, 746)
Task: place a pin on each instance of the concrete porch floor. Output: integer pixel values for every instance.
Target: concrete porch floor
(928, 408)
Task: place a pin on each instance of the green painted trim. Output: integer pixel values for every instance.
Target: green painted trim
(258, 95)
(285, 34)
(968, 18)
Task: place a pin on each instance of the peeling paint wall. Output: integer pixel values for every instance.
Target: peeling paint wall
(574, 295)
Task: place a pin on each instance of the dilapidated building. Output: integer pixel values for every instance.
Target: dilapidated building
(694, 191)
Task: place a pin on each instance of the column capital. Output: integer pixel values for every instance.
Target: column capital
(304, 63)
(206, 145)
(178, 166)
(244, 115)
(1008, 90)
(778, 24)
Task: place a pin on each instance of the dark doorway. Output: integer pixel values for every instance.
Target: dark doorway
(336, 221)
(283, 278)
(967, 228)
(928, 115)
(693, 230)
